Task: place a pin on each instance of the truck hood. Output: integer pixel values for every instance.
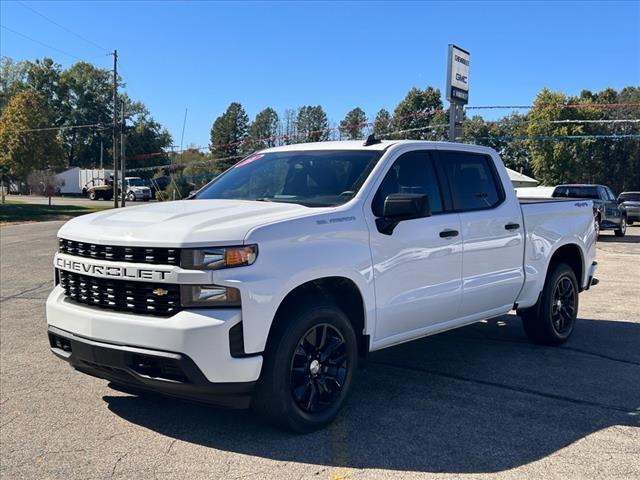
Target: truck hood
(179, 224)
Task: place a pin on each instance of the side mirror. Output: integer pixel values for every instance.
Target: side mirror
(402, 206)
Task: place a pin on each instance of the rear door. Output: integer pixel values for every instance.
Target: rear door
(417, 269)
(492, 233)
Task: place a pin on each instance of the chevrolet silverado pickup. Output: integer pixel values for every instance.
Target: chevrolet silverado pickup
(267, 287)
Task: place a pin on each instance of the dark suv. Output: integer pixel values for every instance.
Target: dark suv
(606, 211)
(630, 203)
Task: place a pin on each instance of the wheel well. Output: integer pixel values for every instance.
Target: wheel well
(572, 256)
(341, 291)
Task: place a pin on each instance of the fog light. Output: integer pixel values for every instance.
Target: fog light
(209, 296)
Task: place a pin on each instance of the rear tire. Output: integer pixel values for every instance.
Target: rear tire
(620, 232)
(552, 319)
(308, 368)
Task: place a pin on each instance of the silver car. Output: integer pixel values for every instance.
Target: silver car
(630, 203)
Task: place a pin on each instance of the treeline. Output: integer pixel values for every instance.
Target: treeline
(591, 138)
(38, 95)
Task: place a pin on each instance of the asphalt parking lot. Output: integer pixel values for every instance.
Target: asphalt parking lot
(478, 402)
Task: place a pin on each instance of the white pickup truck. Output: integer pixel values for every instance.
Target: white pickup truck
(268, 286)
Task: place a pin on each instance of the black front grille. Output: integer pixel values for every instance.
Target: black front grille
(158, 256)
(159, 299)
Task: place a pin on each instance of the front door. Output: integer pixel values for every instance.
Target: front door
(417, 268)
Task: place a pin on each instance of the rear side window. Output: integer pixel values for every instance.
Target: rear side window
(473, 181)
(412, 172)
(576, 192)
(629, 197)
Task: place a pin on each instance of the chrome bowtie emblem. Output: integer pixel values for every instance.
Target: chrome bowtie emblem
(160, 292)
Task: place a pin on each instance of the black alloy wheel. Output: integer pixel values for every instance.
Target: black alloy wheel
(319, 368)
(563, 305)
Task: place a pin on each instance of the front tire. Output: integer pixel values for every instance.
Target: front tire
(93, 196)
(620, 232)
(552, 319)
(308, 368)
(131, 197)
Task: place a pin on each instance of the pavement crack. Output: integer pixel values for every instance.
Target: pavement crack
(601, 355)
(28, 290)
(512, 388)
(115, 465)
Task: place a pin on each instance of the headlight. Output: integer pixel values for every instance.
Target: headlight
(215, 258)
(209, 296)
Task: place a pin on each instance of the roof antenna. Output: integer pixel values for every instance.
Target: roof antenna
(371, 140)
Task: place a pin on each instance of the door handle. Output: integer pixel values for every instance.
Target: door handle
(449, 233)
(512, 226)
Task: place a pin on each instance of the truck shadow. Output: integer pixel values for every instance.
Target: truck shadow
(476, 400)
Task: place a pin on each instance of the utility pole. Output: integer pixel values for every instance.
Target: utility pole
(101, 152)
(122, 165)
(115, 126)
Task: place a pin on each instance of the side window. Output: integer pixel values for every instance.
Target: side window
(412, 172)
(612, 197)
(472, 180)
(602, 193)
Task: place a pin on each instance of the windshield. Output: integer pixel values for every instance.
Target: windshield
(629, 197)
(313, 178)
(576, 192)
(135, 182)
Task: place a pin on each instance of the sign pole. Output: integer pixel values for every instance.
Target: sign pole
(453, 111)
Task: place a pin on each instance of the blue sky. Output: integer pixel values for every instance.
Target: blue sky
(202, 56)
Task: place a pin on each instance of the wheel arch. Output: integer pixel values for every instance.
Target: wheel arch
(572, 255)
(342, 291)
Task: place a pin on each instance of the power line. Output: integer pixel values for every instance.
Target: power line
(63, 127)
(42, 43)
(572, 105)
(63, 27)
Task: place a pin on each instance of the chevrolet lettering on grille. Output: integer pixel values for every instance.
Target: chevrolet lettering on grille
(111, 271)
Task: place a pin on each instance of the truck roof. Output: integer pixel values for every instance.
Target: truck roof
(359, 145)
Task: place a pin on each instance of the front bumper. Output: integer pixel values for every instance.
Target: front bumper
(202, 335)
(132, 368)
(142, 195)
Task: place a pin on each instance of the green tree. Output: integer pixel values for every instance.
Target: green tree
(382, 123)
(87, 99)
(312, 124)
(23, 151)
(353, 124)
(228, 135)
(145, 139)
(416, 112)
(506, 136)
(553, 156)
(263, 132)
(13, 78)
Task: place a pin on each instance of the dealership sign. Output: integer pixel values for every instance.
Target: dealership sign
(458, 75)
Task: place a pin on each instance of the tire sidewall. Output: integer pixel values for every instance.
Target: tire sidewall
(277, 367)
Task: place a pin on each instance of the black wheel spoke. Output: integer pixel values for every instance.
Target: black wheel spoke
(312, 397)
(330, 347)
